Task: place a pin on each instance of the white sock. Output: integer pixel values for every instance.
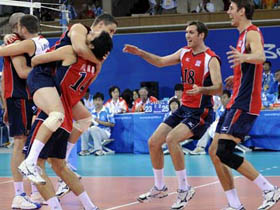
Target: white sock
(85, 200)
(69, 149)
(33, 188)
(19, 189)
(232, 198)
(263, 183)
(159, 178)
(54, 203)
(182, 180)
(34, 153)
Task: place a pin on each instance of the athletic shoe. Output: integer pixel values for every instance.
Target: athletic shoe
(37, 198)
(182, 198)
(271, 197)
(23, 202)
(99, 153)
(232, 208)
(62, 189)
(32, 172)
(84, 153)
(153, 193)
(198, 151)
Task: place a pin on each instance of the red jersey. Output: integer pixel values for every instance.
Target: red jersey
(195, 70)
(14, 86)
(247, 80)
(73, 82)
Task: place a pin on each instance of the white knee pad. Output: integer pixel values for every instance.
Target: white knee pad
(54, 121)
(82, 124)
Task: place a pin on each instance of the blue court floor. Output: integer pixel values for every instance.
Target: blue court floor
(133, 165)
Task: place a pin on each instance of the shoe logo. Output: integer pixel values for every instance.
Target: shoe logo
(224, 128)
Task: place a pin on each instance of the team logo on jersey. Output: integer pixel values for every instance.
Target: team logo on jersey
(224, 128)
(190, 124)
(197, 63)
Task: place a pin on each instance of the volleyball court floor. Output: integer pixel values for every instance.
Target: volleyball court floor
(114, 182)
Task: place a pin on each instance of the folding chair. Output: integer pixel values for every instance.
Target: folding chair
(105, 149)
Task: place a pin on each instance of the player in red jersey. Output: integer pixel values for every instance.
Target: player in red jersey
(242, 110)
(72, 78)
(201, 76)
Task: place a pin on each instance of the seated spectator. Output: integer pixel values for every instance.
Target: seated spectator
(139, 104)
(269, 4)
(173, 105)
(88, 101)
(274, 89)
(116, 104)
(267, 82)
(178, 92)
(102, 121)
(205, 6)
(127, 95)
(135, 94)
(202, 143)
(168, 6)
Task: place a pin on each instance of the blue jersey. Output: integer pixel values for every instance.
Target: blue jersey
(104, 115)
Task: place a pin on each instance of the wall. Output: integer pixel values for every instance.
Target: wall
(127, 71)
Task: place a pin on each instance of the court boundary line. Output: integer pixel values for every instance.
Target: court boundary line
(172, 193)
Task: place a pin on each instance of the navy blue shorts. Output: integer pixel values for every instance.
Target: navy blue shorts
(55, 147)
(20, 113)
(236, 122)
(39, 77)
(198, 120)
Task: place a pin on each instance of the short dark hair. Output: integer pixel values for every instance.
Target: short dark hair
(106, 18)
(248, 5)
(111, 89)
(179, 86)
(31, 23)
(174, 100)
(268, 62)
(98, 95)
(227, 92)
(102, 45)
(201, 27)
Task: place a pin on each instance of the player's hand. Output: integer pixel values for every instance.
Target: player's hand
(5, 117)
(10, 38)
(229, 82)
(195, 90)
(235, 57)
(131, 49)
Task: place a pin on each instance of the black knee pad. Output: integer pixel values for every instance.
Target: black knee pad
(225, 153)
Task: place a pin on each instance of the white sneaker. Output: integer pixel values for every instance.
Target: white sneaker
(271, 197)
(232, 208)
(153, 193)
(32, 172)
(182, 198)
(23, 202)
(198, 151)
(37, 198)
(62, 189)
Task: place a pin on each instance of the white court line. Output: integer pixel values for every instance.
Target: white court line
(6, 182)
(199, 186)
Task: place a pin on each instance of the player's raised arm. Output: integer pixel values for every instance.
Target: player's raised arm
(78, 35)
(159, 61)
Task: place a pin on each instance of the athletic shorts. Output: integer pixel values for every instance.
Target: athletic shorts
(20, 113)
(55, 147)
(40, 76)
(236, 122)
(197, 119)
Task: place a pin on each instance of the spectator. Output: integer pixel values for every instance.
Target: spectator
(139, 104)
(273, 92)
(178, 92)
(127, 95)
(97, 9)
(267, 82)
(102, 120)
(268, 4)
(135, 94)
(88, 101)
(173, 105)
(154, 7)
(116, 104)
(205, 6)
(202, 142)
(168, 6)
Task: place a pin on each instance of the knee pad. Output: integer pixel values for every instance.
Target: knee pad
(226, 154)
(83, 124)
(54, 121)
